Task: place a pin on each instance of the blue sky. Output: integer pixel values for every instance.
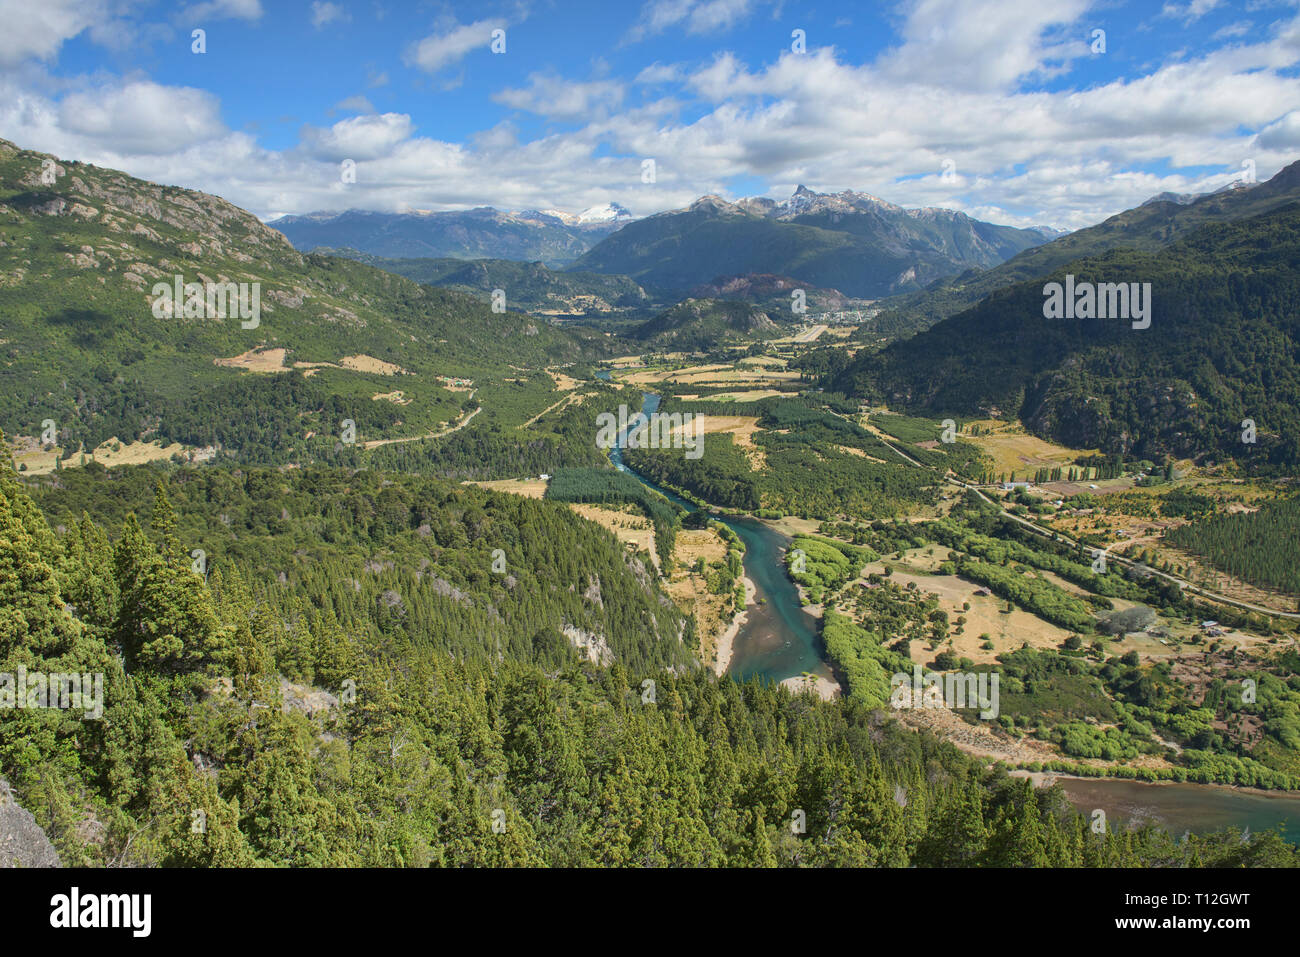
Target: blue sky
(1033, 119)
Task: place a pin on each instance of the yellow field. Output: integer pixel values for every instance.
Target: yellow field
(741, 427)
(529, 488)
(365, 363)
(748, 395)
(627, 525)
(754, 375)
(111, 453)
(690, 591)
(1017, 450)
(272, 360)
(256, 360)
(985, 616)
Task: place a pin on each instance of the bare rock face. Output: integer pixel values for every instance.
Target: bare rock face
(594, 646)
(22, 842)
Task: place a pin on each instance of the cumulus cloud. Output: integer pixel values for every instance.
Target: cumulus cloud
(438, 51)
(357, 138)
(952, 90)
(142, 117)
(1281, 136)
(551, 96)
(952, 43)
(36, 30)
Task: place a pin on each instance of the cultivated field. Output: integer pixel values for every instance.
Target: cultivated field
(627, 524)
(529, 488)
(27, 452)
(1013, 449)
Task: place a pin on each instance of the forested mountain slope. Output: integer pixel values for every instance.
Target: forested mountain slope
(387, 750)
(530, 286)
(855, 243)
(1223, 345)
(1156, 223)
(88, 344)
(707, 323)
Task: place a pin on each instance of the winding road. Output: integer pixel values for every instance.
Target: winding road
(1060, 537)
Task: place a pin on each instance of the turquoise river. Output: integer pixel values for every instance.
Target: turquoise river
(780, 640)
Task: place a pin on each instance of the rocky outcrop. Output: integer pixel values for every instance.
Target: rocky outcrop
(594, 646)
(22, 842)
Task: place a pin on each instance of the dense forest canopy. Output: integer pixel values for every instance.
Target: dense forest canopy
(1221, 349)
(306, 738)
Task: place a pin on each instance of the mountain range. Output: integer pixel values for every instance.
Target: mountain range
(848, 241)
(852, 242)
(1155, 223)
(551, 237)
(530, 286)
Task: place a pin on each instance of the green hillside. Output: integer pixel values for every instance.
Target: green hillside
(529, 286)
(704, 323)
(86, 346)
(1147, 227)
(1223, 346)
(244, 724)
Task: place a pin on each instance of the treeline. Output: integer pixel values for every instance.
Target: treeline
(406, 755)
(1261, 547)
(608, 486)
(1002, 548)
(721, 476)
(450, 567)
(822, 565)
(802, 476)
(1037, 595)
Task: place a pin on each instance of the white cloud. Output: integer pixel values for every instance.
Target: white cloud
(1283, 135)
(355, 104)
(961, 45)
(36, 29)
(551, 96)
(1064, 156)
(696, 16)
(660, 73)
(358, 138)
(223, 10)
(1189, 12)
(1238, 29)
(441, 50)
(323, 13)
(142, 117)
